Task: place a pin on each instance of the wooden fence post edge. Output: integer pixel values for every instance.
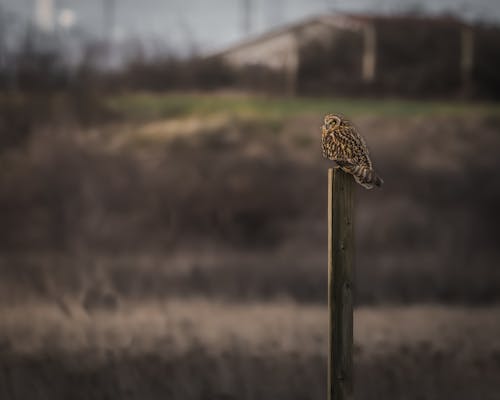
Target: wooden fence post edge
(340, 277)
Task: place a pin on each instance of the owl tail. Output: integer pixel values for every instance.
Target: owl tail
(366, 177)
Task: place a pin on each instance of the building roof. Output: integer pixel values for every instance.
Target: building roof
(285, 29)
(342, 21)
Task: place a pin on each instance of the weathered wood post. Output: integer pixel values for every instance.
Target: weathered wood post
(340, 276)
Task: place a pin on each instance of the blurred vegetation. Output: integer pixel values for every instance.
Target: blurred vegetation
(127, 194)
(163, 226)
(428, 68)
(194, 349)
(145, 106)
(234, 185)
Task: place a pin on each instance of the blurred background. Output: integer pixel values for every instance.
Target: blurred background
(163, 197)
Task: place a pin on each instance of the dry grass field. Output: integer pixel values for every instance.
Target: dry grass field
(174, 247)
(199, 349)
(218, 195)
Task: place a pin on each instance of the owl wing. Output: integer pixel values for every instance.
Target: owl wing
(354, 148)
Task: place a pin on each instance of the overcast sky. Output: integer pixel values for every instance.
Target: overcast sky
(213, 24)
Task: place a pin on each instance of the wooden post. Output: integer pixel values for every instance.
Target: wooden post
(467, 58)
(340, 276)
(369, 61)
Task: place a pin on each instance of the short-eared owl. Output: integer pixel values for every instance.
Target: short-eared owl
(341, 142)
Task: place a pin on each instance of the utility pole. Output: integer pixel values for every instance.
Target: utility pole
(3, 31)
(467, 58)
(369, 61)
(108, 12)
(108, 29)
(247, 17)
(275, 13)
(44, 15)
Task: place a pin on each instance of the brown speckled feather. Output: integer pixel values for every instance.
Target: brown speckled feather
(341, 142)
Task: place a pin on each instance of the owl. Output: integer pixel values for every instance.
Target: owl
(341, 142)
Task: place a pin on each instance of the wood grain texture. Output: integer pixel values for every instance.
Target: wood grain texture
(340, 277)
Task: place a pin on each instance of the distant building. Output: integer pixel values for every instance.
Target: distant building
(279, 50)
(408, 55)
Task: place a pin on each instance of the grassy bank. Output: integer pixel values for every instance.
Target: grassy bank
(153, 106)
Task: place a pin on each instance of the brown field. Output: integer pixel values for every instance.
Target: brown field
(220, 195)
(174, 247)
(199, 349)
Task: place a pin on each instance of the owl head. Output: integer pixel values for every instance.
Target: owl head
(332, 121)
